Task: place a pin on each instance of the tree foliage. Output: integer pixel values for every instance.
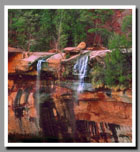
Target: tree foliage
(45, 29)
(118, 64)
(118, 69)
(99, 17)
(41, 30)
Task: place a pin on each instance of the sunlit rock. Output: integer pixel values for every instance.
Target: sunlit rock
(81, 45)
(56, 59)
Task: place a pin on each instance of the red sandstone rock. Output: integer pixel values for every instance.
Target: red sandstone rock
(99, 107)
(53, 51)
(81, 46)
(96, 48)
(100, 53)
(91, 48)
(72, 50)
(60, 105)
(59, 91)
(13, 61)
(94, 108)
(11, 49)
(16, 62)
(56, 59)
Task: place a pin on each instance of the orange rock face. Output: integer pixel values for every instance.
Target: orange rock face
(100, 108)
(52, 51)
(13, 61)
(82, 45)
(55, 59)
(51, 109)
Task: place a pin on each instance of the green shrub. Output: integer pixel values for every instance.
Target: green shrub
(118, 69)
(97, 75)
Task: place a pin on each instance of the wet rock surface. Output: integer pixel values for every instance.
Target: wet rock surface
(21, 62)
(59, 114)
(45, 104)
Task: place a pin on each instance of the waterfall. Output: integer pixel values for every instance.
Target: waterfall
(39, 63)
(80, 69)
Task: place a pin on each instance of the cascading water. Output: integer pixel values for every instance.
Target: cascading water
(39, 63)
(80, 69)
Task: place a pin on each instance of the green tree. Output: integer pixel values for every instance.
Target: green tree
(117, 70)
(25, 24)
(99, 17)
(119, 62)
(69, 27)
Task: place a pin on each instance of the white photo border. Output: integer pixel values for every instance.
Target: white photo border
(53, 145)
